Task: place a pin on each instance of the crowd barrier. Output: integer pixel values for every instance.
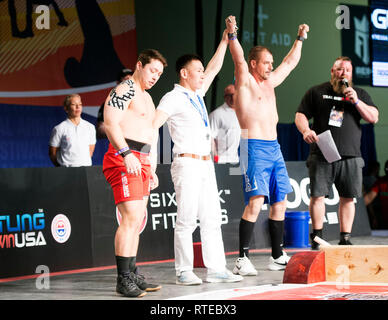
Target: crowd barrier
(65, 218)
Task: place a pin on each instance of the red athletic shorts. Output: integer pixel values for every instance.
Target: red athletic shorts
(126, 187)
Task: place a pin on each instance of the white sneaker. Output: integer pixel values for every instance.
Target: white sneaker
(223, 276)
(244, 267)
(279, 263)
(188, 278)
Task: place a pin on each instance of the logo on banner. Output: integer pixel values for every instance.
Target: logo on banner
(61, 228)
(22, 230)
(166, 201)
(143, 224)
(380, 18)
(355, 41)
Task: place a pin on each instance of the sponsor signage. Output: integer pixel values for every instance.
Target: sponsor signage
(76, 220)
(379, 40)
(44, 220)
(60, 228)
(356, 43)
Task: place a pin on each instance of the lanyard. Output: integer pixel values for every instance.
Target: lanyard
(202, 111)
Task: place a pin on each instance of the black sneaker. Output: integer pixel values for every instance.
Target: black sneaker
(314, 245)
(127, 287)
(142, 284)
(345, 239)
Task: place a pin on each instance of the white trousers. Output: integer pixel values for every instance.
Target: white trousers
(197, 198)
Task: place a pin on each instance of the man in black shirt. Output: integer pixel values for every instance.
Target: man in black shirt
(336, 106)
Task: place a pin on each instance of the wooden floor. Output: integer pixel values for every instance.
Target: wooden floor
(100, 285)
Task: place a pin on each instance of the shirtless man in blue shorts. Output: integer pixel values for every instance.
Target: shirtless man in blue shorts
(265, 177)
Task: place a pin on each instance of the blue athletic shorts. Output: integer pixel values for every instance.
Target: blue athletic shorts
(264, 170)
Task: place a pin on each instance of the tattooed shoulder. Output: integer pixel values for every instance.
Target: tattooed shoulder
(119, 100)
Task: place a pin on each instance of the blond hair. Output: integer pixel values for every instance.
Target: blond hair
(67, 101)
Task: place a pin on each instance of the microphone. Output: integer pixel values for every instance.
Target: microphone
(345, 82)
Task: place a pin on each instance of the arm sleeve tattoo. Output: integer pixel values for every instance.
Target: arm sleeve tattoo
(118, 101)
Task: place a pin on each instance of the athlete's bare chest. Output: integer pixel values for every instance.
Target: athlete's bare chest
(143, 106)
(264, 94)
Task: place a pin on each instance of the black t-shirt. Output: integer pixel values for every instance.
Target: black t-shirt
(320, 102)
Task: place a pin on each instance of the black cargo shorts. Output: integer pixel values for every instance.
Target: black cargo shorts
(346, 174)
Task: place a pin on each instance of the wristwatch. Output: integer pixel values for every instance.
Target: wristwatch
(125, 153)
(300, 38)
(232, 36)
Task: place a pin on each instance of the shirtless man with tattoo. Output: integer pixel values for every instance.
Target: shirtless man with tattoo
(130, 163)
(265, 177)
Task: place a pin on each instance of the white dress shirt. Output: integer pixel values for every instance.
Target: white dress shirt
(187, 120)
(73, 142)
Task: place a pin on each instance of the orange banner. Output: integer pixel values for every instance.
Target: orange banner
(65, 46)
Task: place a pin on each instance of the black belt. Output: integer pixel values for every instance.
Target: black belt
(138, 146)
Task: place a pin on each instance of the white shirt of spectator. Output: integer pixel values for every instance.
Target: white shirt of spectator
(73, 142)
(185, 123)
(226, 131)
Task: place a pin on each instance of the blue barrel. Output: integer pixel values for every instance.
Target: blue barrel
(296, 229)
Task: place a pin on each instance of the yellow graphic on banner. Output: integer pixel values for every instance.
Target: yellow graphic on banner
(51, 48)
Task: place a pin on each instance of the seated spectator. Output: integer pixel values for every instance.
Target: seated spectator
(368, 180)
(380, 190)
(72, 141)
(371, 176)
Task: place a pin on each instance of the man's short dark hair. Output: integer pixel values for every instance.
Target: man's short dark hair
(184, 60)
(123, 73)
(256, 51)
(147, 55)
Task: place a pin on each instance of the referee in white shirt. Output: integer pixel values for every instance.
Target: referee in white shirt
(192, 169)
(72, 142)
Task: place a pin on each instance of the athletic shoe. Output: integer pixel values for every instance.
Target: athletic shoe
(279, 263)
(223, 276)
(314, 245)
(244, 267)
(345, 240)
(139, 280)
(345, 243)
(188, 278)
(127, 287)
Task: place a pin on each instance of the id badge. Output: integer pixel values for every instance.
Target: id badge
(336, 118)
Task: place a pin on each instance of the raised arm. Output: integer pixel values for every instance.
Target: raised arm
(291, 60)
(241, 69)
(215, 64)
